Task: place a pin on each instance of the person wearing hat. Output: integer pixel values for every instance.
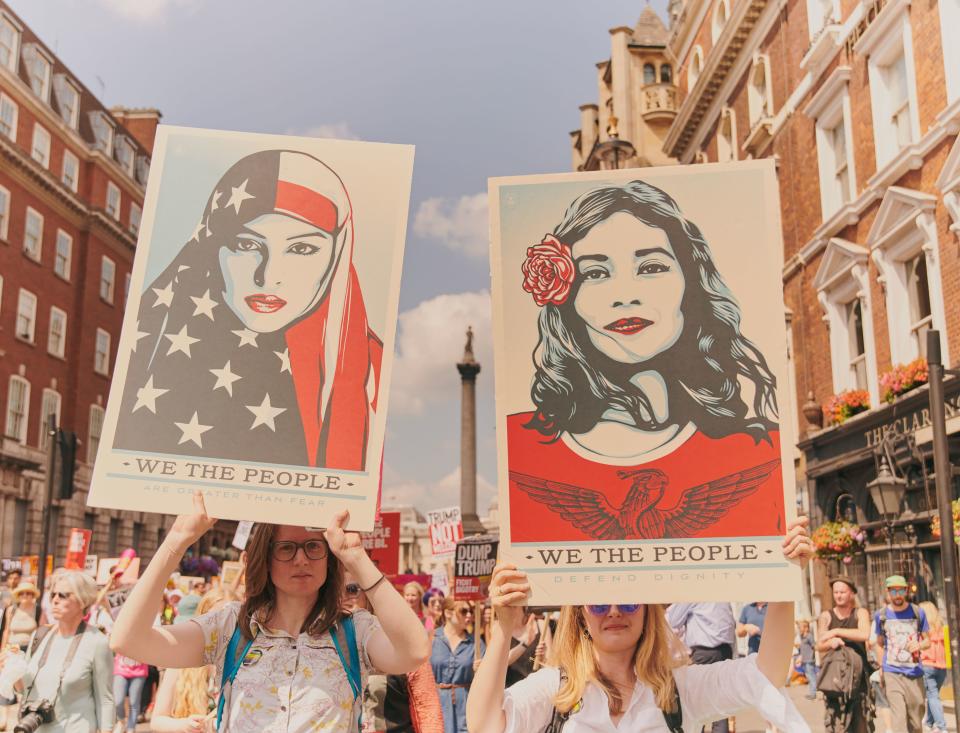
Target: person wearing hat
(23, 621)
(902, 632)
(846, 624)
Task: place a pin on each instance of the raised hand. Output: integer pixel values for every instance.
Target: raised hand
(347, 546)
(797, 546)
(188, 528)
(508, 594)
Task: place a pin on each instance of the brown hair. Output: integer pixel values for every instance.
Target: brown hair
(262, 594)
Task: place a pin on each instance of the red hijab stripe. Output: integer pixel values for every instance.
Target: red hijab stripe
(305, 203)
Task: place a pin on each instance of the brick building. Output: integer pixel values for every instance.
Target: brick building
(859, 103)
(72, 178)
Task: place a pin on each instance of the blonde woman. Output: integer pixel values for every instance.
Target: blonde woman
(186, 696)
(620, 666)
(934, 662)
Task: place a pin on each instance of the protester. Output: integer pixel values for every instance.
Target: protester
(129, 678)
(883, 719)
(413, 595)
(902, 633)
(71, 666)
(10, 582)
(433, 602)
(846, 625)
(708, 631)
(808, 657)
(453, 663)
(186, 696)
(284, 628)
(528, 648)
(934, 662)
(22, 616)
(752, 617)
(375, 691)
(187, 608)
(608, 655)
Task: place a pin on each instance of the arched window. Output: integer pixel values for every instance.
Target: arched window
(727, 136)
(696, 66)
(666, 74)
(759, 99)
(720, 14)
(649, 74)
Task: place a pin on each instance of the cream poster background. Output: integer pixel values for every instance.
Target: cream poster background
(258, 336)
(711, 550)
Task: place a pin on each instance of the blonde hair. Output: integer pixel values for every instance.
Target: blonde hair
(933, 616)
(654, 659)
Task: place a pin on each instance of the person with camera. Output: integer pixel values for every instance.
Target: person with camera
(68, 686)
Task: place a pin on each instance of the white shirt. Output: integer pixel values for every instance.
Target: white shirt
(707, 692)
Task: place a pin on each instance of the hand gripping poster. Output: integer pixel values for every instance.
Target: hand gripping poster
(644, 448)
(257, 343)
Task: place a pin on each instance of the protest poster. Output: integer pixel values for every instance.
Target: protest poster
(383, 544)
(242, 535)
(402, 579)
(440, 580)
(30, 566)
(473, 566)
(258, 339)
(643, 438)
(230, 571)
(106, 566)
(446, 528)
(77, 546)
(90, 565)
(186, 582)
(9, 564)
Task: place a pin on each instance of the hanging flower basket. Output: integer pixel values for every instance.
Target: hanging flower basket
(935, 524)
(844, 405)
(902, 378)
(838, 541)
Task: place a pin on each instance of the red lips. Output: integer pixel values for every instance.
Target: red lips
(628, 326)
(261, 303)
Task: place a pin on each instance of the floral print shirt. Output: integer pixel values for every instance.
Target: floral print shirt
(287, 684)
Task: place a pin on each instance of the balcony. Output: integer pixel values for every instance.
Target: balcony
(760, 136)
(658, 102)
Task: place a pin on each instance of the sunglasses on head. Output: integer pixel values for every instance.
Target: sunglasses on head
(352, 589)
(286, 550)
(627, 608)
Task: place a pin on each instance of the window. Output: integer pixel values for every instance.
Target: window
(57, 337)
(26, 315)
(9, 113)
(101, 357)
(696, 66)
(64, 253)
(126, 154)
(137, 536)
(20, 508)
(759, 98)
(143, 169)
(113, 536)
(108, 275)
(895, 75)
(113, 200)
(666, 74)
(103, 129)
(68, 99)
(841, 161)
(4, 213)
(136, 214)
(41, 146)
(49, 405)
(918, 293)
(856, 349)
(649, 74)
(720, 14)
(93, 436)
(89, 520)
(18, 408)
(950, 18)
(39, 70)
(71, 171)
(9, 43)
(32, 234)
(727, 136)
(830, 107)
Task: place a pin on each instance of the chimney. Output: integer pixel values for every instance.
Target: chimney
(140, 122)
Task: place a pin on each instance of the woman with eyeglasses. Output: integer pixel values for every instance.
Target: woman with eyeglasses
(453, 663)
(433, 603)
(621, 667)
(69, 663)
(288, 643)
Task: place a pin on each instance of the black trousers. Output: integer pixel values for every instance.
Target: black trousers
(709, 655)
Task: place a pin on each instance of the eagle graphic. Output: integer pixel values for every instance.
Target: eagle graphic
(640, 516)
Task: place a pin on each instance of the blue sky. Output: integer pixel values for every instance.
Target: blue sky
(482, 89)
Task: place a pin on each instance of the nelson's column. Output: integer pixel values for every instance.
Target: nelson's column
(469, 368)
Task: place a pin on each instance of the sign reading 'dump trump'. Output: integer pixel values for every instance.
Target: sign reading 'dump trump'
(641, 380)
(257, 343)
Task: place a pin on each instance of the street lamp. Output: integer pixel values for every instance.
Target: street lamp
(887, 491)
(613, 150)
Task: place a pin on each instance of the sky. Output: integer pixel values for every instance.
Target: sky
(481, 89)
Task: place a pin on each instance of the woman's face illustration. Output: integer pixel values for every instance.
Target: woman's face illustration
(631, 289)
(274, 270)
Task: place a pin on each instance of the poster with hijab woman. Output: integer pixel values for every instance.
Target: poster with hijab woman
(257, 342)
(644, 435)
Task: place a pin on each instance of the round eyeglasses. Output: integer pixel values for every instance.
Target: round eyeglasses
(286, 550)
(625, 608)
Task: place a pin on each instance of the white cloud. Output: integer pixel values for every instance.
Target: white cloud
(434, 494)
(145, 10)
(460, 224)
(430, 341)
(333, 130)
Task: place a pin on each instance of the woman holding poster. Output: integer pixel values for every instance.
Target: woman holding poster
(289, 658)
(621, 666)
(253, 343)
(654, 415)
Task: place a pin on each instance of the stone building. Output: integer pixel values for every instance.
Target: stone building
(637, 101)
(859, 104)
(72, 178)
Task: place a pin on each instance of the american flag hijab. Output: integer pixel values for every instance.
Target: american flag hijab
(278, 366)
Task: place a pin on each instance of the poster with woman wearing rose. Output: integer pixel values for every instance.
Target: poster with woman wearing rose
(644, 431)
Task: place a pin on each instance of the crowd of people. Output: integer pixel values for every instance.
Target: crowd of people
(314, 637)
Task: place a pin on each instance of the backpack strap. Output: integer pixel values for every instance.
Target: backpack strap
(231, 665)
(344, 634)
(38, 638)
(674, 717)
(558, 719)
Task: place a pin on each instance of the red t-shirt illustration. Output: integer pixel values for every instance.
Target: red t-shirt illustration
(707, 487)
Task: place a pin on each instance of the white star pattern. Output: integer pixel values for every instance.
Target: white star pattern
(215, 201)
(196, 232)
(284, 357)
(238, 195)
(147, 396)
(164, 295)
(204, 305)
(225, 378)
(264, 413)
(206, 225)
(180, 342)
(192, 431)
(247, 337)
(137, 335)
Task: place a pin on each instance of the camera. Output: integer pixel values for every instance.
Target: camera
(33, 715)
